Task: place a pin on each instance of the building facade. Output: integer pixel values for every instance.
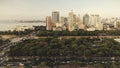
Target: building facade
(79, 23)
(55, 17)
(86, 20)
(94, 19)
(48, 23)
(71, 21)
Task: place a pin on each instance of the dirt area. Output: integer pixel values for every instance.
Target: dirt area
(7, 36)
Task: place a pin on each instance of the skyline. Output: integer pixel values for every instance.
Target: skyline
(39, 9)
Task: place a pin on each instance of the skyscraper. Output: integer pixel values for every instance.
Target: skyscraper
(96, 22)
(55, 17)
(94, 19)
(71, 21)
(48, 23)
(86, 19)
(66, 22)
(62, 21)
(79, 23)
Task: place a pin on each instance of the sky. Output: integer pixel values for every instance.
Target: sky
(39, 9)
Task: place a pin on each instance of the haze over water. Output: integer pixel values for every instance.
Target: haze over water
(5, 25)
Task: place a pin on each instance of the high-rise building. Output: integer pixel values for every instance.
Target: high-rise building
(96, 22)
(86, 20)
(55, 17)
(66, 22)
(94, 19)
(75, 22)
(117, 24)
(62, 21)
(48, 23)
(71, 21)
(79, 23)
(99, 26)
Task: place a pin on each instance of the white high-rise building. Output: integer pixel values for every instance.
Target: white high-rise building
(99, 26)
(93, 21)
(79, 23)
(97, 23)
(48, 23)
(71, 21)
(63, 23)
(117, 24)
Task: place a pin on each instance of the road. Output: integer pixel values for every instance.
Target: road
(68, 37)
(13, 42)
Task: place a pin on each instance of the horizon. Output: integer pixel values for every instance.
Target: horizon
(39, 9)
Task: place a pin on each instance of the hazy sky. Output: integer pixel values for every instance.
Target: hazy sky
(39, 9)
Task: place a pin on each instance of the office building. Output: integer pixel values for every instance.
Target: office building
(94, 19)
(86, 20)
(48, 23)
(79, 23)
(117, 24)
(62, 21)
(71, 21)
(55, 17)
(97, 23)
